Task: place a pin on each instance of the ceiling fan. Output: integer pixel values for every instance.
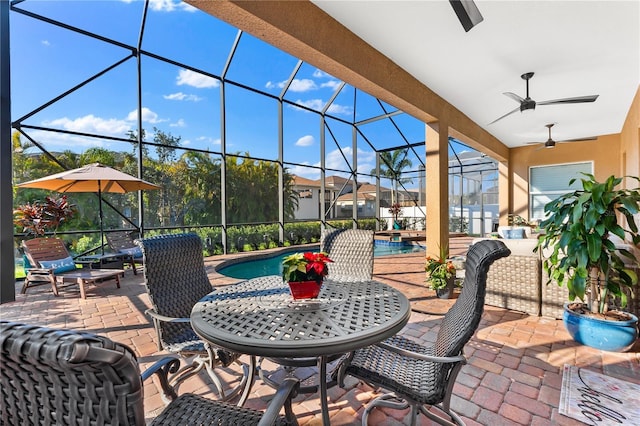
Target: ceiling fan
(467, 13)
(529, 104)
(550, 143)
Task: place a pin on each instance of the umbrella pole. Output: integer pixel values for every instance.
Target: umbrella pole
(101, 218)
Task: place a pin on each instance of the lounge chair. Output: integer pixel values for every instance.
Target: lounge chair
(65, 377)
(121, 242)
(422, 376)
(52, 264)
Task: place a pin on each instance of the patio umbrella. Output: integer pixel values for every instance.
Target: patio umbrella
(91, 178)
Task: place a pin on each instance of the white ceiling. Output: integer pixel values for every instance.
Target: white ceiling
(575, 48)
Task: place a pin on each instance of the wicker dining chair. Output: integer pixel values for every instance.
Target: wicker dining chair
(422, 376)
(176, 280)
(64, 377)
(351, 251)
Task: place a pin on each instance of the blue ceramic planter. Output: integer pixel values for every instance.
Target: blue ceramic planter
(615, 336)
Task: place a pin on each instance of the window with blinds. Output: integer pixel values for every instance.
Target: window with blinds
(546, 183)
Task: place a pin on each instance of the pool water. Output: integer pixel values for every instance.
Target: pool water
(272, 265)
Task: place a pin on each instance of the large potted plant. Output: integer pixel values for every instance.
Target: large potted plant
(304, 272)
(441, 274)
(579, 252)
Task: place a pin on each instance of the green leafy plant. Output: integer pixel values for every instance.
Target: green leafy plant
(36, 218)
(577, 232)
(305, 267)
(440, 269)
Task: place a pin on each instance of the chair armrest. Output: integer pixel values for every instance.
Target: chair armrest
(156, 316)
(417, 355)
(162, 368)
(285, 393)
(39, 270)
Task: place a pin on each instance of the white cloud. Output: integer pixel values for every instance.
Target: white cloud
(305, 172)
(320, 74)
(340, 109)
(45, 43)
(54, 141)
(297, 85)
(303, 85)
(318, 104)
(209, 140)
(167, 5)
(366, 160)
(306, 140)
(194, 79)
(332, 84)
(179, 123)
(92, 124)
(179, 96)
(148, 116)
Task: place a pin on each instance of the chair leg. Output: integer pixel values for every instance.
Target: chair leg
(384, 400)
(208, 363)
(247, 380)
(81, 282)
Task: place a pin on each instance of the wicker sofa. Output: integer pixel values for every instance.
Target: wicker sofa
(519, 282)
(514, 282)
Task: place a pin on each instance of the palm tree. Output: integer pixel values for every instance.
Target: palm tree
(392, 163)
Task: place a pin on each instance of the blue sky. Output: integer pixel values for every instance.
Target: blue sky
(48, 61)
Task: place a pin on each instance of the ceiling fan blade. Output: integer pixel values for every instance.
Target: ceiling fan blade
(576, 100)
(509, 113)
(514, 97)
(467, 12)
(590, 138)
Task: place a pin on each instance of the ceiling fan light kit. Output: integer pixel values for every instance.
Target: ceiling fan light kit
(528, 104)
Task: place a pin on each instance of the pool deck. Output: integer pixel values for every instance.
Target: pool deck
(513, 375)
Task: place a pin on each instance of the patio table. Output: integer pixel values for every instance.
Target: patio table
(259, 317)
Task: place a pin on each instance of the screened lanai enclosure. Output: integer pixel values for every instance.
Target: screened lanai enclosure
(252, 147)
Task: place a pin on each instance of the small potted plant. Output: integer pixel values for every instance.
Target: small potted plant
(396, 211)
(577, 233)
(441, 274)
(304, 272)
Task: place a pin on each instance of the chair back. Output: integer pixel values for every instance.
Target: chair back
(176, 280)
(351, 251)
(46, 249)
(120, 240)
(462, 320)
(66, 377)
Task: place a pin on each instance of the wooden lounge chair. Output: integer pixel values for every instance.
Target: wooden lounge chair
(122, 242)
(52, 264)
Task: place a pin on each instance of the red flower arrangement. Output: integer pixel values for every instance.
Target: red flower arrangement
(305, 267)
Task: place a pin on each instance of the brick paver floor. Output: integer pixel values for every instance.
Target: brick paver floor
(513, 376)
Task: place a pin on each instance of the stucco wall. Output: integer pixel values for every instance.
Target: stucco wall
(630, 142)
(617, 155)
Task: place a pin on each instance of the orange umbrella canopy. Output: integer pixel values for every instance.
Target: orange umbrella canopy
(90, 178)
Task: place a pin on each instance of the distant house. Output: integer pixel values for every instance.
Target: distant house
(339, 198)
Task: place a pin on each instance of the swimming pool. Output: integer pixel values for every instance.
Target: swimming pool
(272, 265)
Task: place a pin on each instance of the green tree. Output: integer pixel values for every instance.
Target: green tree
(392, 164)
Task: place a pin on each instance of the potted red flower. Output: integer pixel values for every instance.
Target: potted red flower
(304, 273)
